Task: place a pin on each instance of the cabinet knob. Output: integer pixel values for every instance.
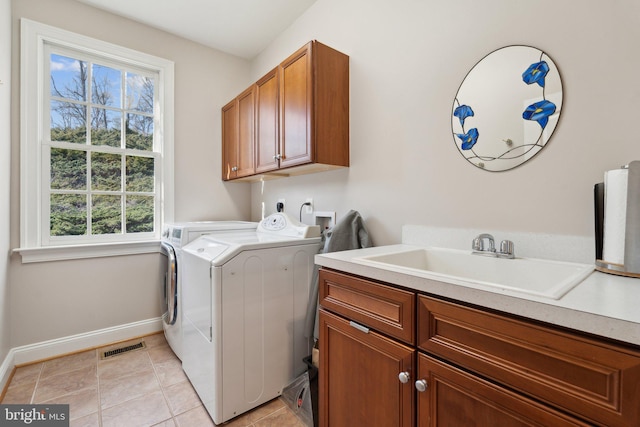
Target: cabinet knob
(234, 169)
(421, 385)
(277, 157)
(404, 377)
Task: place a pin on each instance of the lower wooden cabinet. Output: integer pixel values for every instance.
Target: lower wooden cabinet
(464, 366)
(359, 384)
(590, 378)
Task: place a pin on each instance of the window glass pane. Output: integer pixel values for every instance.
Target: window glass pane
(106, 86)
(68, 77)
(139, 132)
(68, 122)
(139, 93)
(139, 174)
(105, 127)
(106, 172)
(68, 169)
(139, 214)
(106, 212)
(68, 215)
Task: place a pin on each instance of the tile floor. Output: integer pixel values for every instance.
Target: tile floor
(144, 387)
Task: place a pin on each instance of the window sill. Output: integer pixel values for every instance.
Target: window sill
(61, 253)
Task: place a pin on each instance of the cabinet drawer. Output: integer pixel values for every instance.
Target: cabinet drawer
(383, 308)
(593, 379)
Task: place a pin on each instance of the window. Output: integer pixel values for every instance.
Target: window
(96, 145)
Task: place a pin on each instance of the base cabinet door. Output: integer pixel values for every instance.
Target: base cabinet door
(359, 381)
(451, 397)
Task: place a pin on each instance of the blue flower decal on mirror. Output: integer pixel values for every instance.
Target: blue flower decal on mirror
(536, 73)
(516, 95)
(462, 112)
(540, 112)
(468, 139)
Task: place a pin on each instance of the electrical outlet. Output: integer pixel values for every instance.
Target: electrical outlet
(308, 209)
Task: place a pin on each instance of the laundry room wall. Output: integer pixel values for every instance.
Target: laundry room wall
(56, 299)
(5, 174)
(407, 60)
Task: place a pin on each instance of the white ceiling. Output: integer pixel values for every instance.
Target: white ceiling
(239, 27)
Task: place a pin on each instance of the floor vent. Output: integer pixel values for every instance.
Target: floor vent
(117, 351)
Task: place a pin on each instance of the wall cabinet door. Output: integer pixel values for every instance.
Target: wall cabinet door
(296, 104)
(453, 397)
(230, 140)
(238, 136)
(246, 133)
(359, 383)
(267, 126)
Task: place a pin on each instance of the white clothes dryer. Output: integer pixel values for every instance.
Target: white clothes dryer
(245, 300)
(174, 237)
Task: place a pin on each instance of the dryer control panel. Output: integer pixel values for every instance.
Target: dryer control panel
(282, 224)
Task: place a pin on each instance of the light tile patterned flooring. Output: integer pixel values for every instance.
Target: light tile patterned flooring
(144, 387)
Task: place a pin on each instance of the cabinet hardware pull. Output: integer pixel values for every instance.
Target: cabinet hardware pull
(277, 157)
(359, 327)
(234, 169)
(404, 377)
(421, 385)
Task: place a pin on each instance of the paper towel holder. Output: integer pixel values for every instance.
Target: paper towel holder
(631, 266)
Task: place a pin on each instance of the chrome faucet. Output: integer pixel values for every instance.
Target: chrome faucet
(478, 247)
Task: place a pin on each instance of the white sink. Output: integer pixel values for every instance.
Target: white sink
(539, 277)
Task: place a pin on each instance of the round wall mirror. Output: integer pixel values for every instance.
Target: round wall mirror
(506, 108)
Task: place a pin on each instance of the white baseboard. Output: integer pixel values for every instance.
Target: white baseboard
(5, 369)
(52, 348)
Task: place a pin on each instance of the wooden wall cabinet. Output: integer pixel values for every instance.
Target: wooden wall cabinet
(301, 115)
(469, 366)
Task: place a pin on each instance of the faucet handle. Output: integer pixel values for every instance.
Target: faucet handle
(506, 248)
(477, 244)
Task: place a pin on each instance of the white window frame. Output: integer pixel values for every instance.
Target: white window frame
(34, 243)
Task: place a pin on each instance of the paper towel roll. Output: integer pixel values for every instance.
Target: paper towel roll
(615, 215)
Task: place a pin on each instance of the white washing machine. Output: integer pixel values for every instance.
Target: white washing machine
(174, 237)
(245, 296)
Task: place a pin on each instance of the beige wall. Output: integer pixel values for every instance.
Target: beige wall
(5, 173)
(57, 299)
(408, 58)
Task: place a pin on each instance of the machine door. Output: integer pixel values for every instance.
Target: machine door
(170, 284)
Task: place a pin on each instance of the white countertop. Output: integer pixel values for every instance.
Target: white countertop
(602, 304)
